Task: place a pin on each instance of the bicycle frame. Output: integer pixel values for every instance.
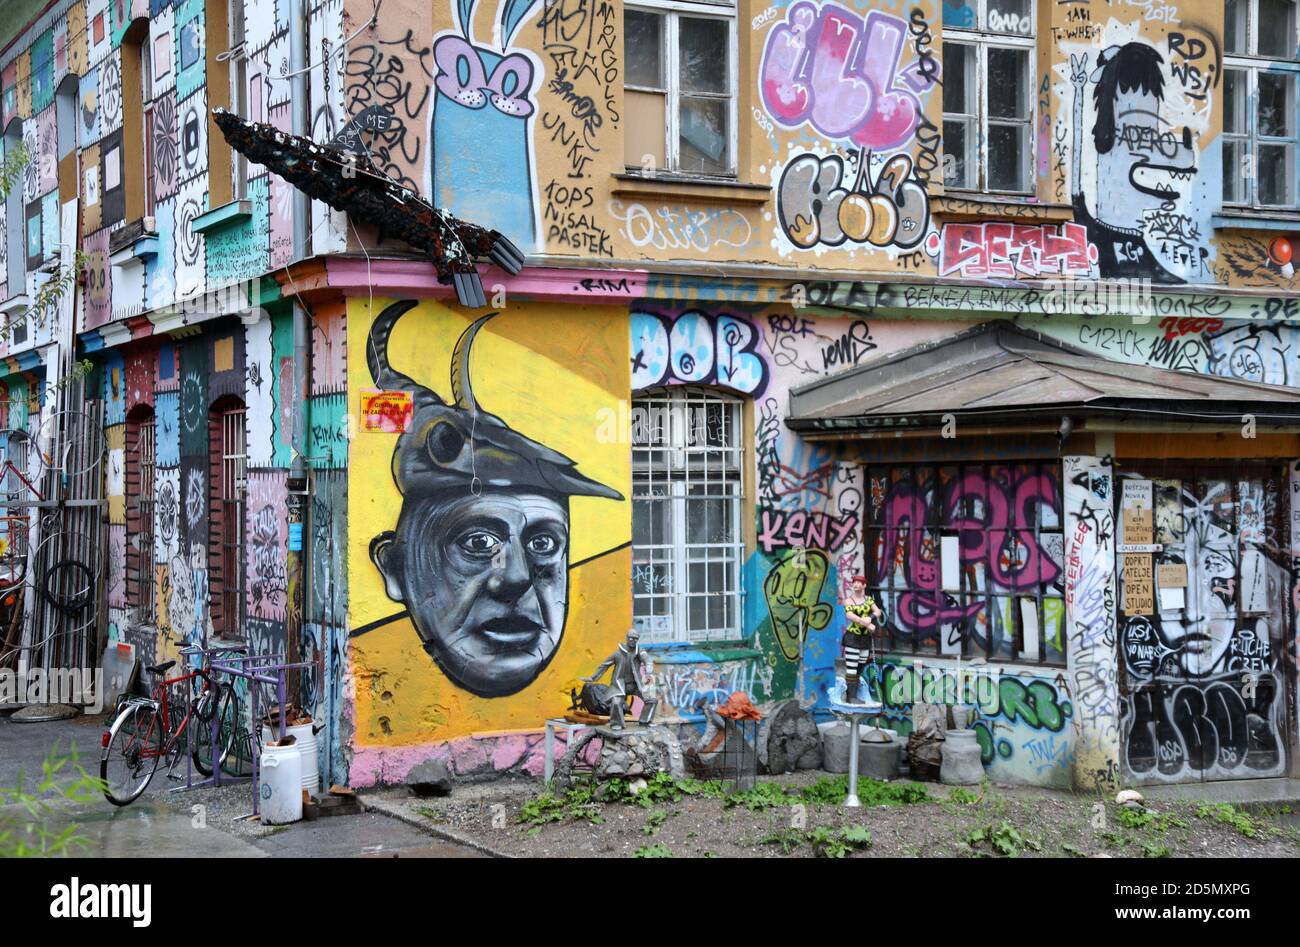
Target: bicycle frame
(159, 700)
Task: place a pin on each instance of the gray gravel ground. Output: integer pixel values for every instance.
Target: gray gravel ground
(1026, 821)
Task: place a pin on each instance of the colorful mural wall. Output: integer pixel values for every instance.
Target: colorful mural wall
(514, 114)
(116, 144)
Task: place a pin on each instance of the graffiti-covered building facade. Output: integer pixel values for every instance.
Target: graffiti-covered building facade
(991, 303)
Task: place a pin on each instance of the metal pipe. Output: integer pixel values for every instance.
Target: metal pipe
(295, 566)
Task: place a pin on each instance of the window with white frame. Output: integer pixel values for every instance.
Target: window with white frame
(1259, 103)
(681, 77)
(146, 91)
(988, 95)
(687, 546)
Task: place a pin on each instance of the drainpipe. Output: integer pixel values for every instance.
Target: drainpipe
(298, 484)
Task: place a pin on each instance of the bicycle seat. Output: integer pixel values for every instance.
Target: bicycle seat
(161, 669)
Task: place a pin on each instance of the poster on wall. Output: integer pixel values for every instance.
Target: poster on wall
(386, 412)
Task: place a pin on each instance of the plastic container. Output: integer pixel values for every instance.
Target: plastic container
(307, 749)
(280, 788)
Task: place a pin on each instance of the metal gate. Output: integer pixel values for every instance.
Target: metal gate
(53, 512)
(1204, 616)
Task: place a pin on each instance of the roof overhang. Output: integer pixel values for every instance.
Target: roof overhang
(1003, 377)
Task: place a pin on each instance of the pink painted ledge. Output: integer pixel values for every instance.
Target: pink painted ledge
(482, 754)
(417, 279)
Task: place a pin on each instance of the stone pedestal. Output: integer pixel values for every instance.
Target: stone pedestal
(875, 759)
(961, 764)
(879, 760)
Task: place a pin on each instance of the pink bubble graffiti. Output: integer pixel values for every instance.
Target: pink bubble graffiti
(839, 73)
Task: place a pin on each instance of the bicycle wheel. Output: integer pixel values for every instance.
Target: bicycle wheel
(131, 751)
(226, 709)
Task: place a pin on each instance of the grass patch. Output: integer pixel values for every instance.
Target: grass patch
(653, 821)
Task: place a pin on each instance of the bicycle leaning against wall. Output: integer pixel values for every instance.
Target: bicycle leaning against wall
(147, 729)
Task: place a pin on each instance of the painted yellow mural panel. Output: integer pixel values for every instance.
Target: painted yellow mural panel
(488, 557)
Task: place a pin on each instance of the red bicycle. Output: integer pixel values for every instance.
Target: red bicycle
(147, 729)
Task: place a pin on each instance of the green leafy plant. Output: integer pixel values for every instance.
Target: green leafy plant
(1004, 840)
(11, 170)
(763, 796)
(708, 788)
(829, 843)
(963, 797)
(1072, 850)
(1153, 849)
(788, 839)
(653, 821)
(1225, 813)
(826, 841)
(832, 790)
(1134, 818)
(29, 834)
(541, 811)
(657, 850)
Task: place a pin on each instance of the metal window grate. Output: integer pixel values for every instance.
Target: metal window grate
(234, 487)
(968, 559)
(687, 546)
(142, 554)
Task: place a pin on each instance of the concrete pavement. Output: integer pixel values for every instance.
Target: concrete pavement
(205, 822)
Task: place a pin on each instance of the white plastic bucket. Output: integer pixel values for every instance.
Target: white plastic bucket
(306, 742)
(280, 791)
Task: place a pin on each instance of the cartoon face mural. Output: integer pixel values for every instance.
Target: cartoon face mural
(481, 161)
(1145, 165)
(480, 552)
(792, 590)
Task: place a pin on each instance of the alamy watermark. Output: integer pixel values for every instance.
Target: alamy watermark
(80, 686)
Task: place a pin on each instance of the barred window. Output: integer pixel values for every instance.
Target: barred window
(687, 547)
(228, 446)
(968, 559)
(140, 563)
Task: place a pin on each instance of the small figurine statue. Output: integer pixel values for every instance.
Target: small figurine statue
(627, 663)
(862, 613)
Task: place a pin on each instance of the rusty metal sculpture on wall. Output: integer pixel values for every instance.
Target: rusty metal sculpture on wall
(352, 184)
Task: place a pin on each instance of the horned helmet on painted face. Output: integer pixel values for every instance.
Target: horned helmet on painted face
(480, 552)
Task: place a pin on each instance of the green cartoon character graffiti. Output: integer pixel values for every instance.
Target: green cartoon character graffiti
(792, 590)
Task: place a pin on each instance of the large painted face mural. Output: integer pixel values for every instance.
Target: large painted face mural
(492, 565)
(480, 553)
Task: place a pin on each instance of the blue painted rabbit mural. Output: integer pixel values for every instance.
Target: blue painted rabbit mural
(481, 159)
